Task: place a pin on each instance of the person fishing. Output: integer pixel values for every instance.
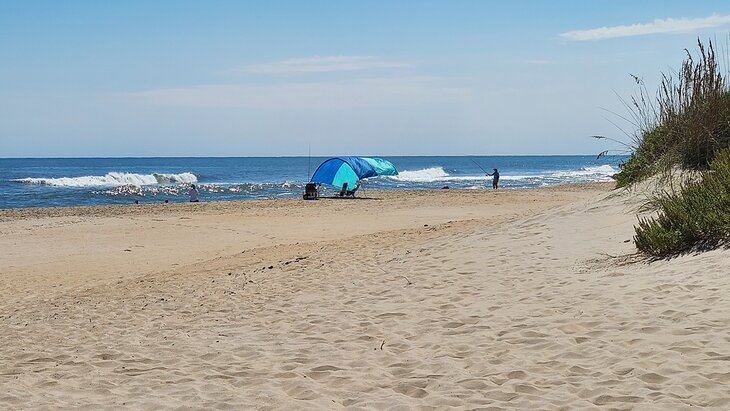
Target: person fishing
(495, 178)
(494, 175)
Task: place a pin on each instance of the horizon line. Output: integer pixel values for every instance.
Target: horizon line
(304, 156)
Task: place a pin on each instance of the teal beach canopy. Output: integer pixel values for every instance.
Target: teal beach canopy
(339, 170)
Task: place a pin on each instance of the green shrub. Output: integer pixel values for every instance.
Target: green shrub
(687, 126)
(698, 216)
(643, 159)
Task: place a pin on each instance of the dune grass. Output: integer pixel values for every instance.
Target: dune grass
(687, 127)
(686, 124)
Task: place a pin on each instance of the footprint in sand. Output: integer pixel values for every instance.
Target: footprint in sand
(653, 378)
(410, 390)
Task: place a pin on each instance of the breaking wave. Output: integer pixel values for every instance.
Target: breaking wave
(438, 174)
(604, 170)
(425, 175)
(112, 179)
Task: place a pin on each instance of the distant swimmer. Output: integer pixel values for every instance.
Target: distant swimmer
(495, 178)
(193, 194)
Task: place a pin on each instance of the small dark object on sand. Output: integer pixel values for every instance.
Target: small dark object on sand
(445, 187)
(310, 191)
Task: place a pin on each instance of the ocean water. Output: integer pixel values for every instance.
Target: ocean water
(91, 181)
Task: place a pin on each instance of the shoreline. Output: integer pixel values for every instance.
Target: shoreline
(99, 209)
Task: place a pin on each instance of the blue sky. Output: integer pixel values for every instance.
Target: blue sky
(259, 78)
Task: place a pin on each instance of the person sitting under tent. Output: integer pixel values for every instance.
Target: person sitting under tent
(348, 193)
(351, 193)
(343, 191)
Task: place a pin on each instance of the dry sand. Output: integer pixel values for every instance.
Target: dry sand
(514, 299)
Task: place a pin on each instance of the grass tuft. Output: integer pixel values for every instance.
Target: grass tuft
(687, 123)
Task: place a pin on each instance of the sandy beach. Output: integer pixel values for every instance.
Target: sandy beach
(473, 299)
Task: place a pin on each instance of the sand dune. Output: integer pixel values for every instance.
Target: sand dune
(517, 299)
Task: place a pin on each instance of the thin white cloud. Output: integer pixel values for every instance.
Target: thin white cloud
(537, 62)
(322, 64)
(669, 25)
(375, 92)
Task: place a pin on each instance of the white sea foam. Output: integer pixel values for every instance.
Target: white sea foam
(431, 175)
(600, 173)
(112, 179)
(604, 169)
(425, 175)
(438, 174)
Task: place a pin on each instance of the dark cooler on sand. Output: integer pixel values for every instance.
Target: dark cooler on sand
(310, 191)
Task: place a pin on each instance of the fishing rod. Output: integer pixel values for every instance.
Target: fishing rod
(485, 171)
(309, 162)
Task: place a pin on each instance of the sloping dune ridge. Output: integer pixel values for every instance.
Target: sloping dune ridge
(475, 299)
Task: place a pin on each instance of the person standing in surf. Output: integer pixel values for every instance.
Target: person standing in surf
(193, 194)
(495, 178)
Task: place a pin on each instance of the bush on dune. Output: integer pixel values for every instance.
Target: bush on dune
(688, 124)
(642, 162)
(687, 127)
(698, 216)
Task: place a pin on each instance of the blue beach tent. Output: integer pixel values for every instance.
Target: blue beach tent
(339, 170)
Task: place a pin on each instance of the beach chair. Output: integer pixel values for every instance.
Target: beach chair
(344, 190)
(348, 193)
